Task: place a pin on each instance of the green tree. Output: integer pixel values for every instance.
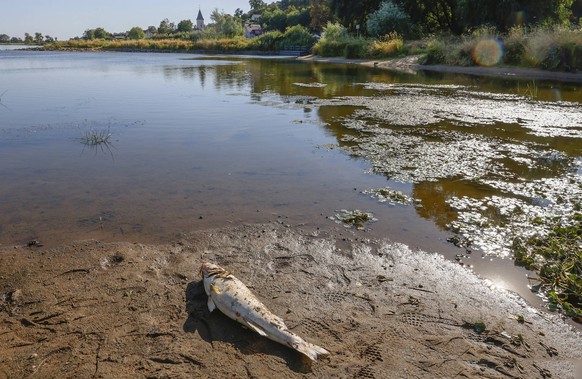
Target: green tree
(4, 38)
(38, 38)
(320, 14)
(226, 25)
(185, 26)
(274, 20)
(136, 33)
(166, 27)
(352, 13)
(298, 17)
(28, 39)
(388, 18)
(102, 33)
(89, 34)
(49, 39)
(257, 5)
(297, 35)
(436, 15)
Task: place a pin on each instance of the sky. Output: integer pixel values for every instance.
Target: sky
(66, 19)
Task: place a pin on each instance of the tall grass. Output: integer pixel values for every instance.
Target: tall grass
(337, 42)
(271, 41)
(545, 48)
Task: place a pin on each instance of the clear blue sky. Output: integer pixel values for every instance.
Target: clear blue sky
(69, 18)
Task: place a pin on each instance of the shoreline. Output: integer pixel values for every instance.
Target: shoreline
(95, 309)
(410, 64)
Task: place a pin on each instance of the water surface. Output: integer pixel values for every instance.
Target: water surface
(202, 141)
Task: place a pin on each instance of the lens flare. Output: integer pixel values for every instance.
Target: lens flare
(488, 52)
(556, 94)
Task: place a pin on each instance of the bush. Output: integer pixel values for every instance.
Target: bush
(389, 18)
(336, 42)
(267, 41)
(297, 36)
(388, 46)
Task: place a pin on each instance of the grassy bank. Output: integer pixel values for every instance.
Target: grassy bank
(556, 49)
(543, 48)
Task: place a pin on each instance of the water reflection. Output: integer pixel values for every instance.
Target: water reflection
(224, 137)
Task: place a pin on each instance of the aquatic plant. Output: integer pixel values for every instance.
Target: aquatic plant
(355, 218)
(98, 140)
(93, 137)
(557, 259)
(390, 196)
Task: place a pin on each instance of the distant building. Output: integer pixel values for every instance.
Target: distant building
(252, 30)
(199, 21)
(119, 36)
(149, 32)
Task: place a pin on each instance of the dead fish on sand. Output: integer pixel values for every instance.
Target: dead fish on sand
(235, 300)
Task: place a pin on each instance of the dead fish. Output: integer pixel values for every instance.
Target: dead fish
(235, 300)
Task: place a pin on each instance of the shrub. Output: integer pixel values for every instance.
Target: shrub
(336, 42)
(390, 17)
(267, 41)
(297, 36)
(386, 46)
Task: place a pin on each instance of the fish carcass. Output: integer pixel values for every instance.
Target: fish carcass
(235, 300)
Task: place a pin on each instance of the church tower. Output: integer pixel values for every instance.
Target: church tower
(199, 20)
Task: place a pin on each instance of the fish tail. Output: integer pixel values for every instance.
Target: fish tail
(310, 350)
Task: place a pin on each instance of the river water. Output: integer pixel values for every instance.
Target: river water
(146, 147)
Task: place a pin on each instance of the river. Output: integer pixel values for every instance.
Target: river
(146, 147)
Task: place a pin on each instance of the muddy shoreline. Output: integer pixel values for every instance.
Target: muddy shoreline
(410, 64)
(129, 310)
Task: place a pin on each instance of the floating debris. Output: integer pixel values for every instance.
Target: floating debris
(310, 85)
(390, 196)
(356, 218)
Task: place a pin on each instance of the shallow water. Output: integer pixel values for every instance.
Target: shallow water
(200, 142)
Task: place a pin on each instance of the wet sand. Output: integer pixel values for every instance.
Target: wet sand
(129, 310)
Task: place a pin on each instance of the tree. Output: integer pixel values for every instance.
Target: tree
(226, 25)
(298, 17)
(388, 18)
(38, 38)
(166, 27)
(102, 33)
(238, 13)
(185, 26)
(257, 5)
(352, 13)
(274, 20)
(49, 39)
(136, 33)
(89, 34)
(4, 38)
(28, 39)
(320, 14)
(152, 30)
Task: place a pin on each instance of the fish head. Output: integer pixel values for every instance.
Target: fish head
(210, 269)
(210, 272)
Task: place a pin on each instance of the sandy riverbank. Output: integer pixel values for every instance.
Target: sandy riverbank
(128, 310)
(410, 64)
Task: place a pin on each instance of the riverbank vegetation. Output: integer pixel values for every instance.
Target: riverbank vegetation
(544, 34)
(557, 260)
